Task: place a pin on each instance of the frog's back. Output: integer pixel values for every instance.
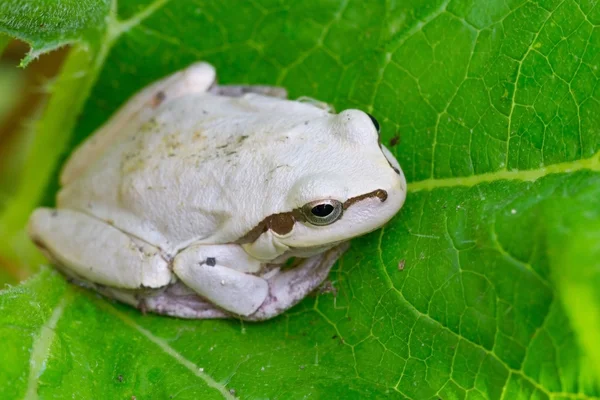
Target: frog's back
(197, 78)
(185, 171)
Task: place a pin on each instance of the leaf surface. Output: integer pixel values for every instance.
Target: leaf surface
(492, 109)
(47, 24)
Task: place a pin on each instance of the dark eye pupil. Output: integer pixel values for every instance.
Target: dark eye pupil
(322, 210)
(374, 121)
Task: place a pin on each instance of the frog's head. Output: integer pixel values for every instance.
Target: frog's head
(349, 185)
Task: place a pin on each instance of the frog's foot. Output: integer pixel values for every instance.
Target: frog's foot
(288, 287)
(240, 90)
(89, 249)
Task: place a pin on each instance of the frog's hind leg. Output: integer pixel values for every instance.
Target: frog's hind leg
(240, 90)
(196, 78)
(91, 250)
(290, 286)
(270, 91)
(209, 271)
(176, 300)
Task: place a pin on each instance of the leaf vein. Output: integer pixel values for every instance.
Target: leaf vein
(164, 346)
(117, 27)
(467, 340)
(517, 76)
(42, 345)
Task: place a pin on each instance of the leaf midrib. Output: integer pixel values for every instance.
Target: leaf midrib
(42, 345)
(529, 175)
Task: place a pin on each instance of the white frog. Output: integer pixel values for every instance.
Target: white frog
(193, 199)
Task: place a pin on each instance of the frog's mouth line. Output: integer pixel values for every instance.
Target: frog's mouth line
(283, 223)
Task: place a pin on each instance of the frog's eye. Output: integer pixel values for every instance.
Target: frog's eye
(375, 123)
(322, 212)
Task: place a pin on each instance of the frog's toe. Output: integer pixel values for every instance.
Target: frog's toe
(240, 90)
(289, 287)
(316, 103)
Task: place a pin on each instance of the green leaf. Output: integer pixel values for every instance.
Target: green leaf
(575, 260)
(483, 286)
(47, 24)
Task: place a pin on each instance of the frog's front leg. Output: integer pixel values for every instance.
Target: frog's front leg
(290, 286)
(221, 274)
